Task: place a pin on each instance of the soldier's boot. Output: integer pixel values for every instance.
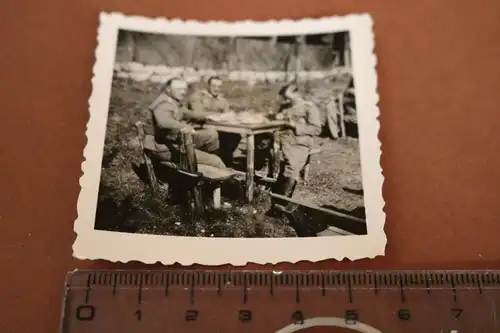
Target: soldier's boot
(289, 186)
(289, 189)
(286, 188)
(297, 217)
(278, 188)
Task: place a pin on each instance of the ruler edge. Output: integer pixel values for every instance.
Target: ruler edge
(70, 274)
(278, 271)
(347, 273)
(65, 299)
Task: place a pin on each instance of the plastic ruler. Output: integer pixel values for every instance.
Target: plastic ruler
(289, 301)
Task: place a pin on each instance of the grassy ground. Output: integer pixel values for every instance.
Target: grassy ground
(126, 203)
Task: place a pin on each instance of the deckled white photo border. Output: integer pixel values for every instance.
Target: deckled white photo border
(124, 247)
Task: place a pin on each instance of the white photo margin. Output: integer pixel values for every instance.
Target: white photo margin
(124, 247)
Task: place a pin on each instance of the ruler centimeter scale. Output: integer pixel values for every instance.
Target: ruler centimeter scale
(289, 301)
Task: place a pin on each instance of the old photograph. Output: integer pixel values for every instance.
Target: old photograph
(206, 141)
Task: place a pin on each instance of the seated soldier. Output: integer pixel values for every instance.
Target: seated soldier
(209, 100)
(171, 117)
(302, 124)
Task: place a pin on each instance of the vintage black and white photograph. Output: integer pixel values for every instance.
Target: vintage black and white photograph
(206, 141)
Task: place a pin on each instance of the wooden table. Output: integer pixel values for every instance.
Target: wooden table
(249, 131)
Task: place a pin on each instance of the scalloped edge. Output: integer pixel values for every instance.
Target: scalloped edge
(123, 247)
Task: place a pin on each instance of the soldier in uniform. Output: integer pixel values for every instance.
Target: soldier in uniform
(211, 99)
(303, 122)
(170, 117)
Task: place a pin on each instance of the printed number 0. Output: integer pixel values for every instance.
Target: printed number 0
(351, 317)
(85, 312)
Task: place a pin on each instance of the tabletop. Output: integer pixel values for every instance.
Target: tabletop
(245, 128)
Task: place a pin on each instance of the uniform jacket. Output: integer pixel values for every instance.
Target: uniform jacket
(308, 123)
(169, 116)
(202, 100)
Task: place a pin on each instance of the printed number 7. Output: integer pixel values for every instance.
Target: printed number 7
(457, 312)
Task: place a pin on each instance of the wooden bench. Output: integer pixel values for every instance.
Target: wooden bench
(196, 175)
(309, 220)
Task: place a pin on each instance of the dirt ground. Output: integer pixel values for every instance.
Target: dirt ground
(127, 204)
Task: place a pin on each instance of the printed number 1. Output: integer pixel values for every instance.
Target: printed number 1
(191, 315)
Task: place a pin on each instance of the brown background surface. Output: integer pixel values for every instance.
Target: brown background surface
(439, 80)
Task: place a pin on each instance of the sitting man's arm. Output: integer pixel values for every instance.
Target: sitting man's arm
(196, 102)
(196, 116)
(313, 122)
(276, 115)
(196, 109)
(164, 116)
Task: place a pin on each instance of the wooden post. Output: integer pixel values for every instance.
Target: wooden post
(188, 49)
(188, 156)
(299, 42)
(149, 164)
(216, 197)
(272, 49)
(188, 163)
(339, 48)
(231, 55)
(131, 47)
(335, 53)
(273, 156)
(234, 56)
(341, 114)
(273, 40)
(250, 167)
(347, 50)
(288, 64)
